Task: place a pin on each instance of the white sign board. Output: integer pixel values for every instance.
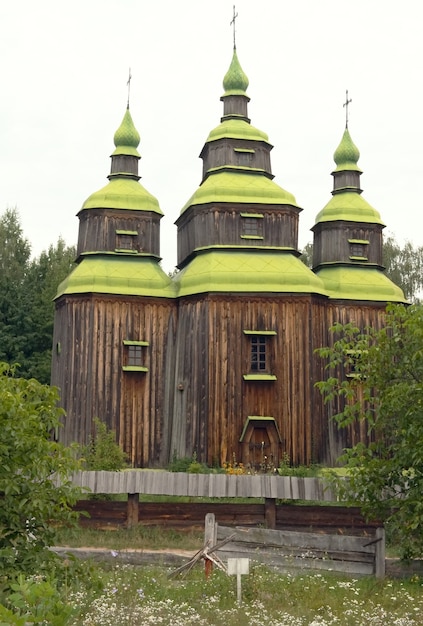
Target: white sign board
(238, 566)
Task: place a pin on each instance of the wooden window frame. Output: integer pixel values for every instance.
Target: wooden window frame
(260, 361)
(134, 356)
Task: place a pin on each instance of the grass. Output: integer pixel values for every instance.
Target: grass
(143, 595)
(140, 537)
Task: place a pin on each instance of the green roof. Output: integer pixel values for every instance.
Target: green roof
(347, 154)
(245, 187)
(235, 82)
(359, 283)
(127, 138)
(349, 206)
(120, 276)
(246, 272)
(123, 193)
(237, 129)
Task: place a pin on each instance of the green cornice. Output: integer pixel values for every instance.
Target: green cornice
(123, 193)
(127, 137)
(347, 154)
(235, 82)
(240, 187)
(349, 206)
(125, 276)
(246, 272)
(237, 129)
(359, 283)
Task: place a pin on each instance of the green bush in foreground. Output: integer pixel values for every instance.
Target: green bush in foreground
(31, 503)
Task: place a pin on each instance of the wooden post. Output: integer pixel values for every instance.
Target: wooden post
(270, 512)
(380, 553)
(132, 510)
(210, 539)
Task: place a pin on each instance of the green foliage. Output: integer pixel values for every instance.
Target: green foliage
(31, 502)
(103, 453)
(27, 289)
(188, 464)
(385, 389)
(303, 471)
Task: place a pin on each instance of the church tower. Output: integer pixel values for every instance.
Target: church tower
(115, 313)
(245, 303)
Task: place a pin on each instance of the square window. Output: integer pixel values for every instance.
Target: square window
(134, 356)
(252, 226)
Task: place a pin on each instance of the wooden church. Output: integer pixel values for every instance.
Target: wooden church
(218, 361)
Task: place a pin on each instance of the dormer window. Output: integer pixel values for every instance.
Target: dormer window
(126, 241)
(358, 249)
(244, 156)
(252, 225)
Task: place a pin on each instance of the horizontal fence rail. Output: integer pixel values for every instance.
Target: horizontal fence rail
(151, 482)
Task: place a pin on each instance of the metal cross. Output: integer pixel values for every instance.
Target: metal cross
(346, 103)
(129, 84)
(235, 15)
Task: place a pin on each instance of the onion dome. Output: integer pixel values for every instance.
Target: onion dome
(235, 82)
(347, 154)
(127, 138)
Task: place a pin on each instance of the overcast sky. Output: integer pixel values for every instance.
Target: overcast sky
(64, 67)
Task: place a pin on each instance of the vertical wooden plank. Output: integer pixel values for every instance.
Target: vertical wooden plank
(210, 530)
(132, 510)
(270, 512)
(380, 553)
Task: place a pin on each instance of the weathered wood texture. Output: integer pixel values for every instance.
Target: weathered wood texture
(88, 370)
(97, 230)
(331, 241)
(292, 550)
(206, 485)
(215, 401)
(189, 515)
(210, 225)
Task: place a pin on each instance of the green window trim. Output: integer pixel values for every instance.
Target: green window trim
(127, 232)
(129, 342)
(362, 241)
(260, 377)
(126, 251)
(248, 150)
(259, 332)
(134, 368)
(259, 418)
(258, 215)
(251, 237)
(358, 258)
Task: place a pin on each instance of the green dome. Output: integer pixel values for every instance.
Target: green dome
(347, 154)
(359, 283)
(123, 193)
(240, 187)
(235, 82)
(127, 138)
(121, 276)
(237, 129)
(349, 206)
(246, 272)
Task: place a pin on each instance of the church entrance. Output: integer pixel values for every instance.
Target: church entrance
(261, 444)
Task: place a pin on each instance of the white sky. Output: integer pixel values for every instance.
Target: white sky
(64, 67)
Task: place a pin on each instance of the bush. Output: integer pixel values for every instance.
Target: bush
(103, 453)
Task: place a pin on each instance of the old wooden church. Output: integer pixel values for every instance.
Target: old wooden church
(220, 359)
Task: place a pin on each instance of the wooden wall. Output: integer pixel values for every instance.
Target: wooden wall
(212, 225)
(88, 355)
(97, 230)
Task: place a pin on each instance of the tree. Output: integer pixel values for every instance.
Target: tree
(31, 503)
(384, 387)
(15, 252)
(43, 275)
(404, 266)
